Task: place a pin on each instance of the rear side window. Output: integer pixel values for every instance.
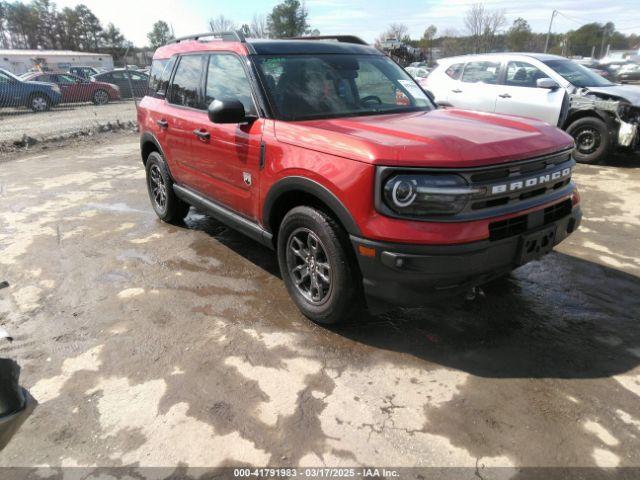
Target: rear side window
(185, 88)
(160, 75)
(455, 70)
(227, 79)
(481, 72)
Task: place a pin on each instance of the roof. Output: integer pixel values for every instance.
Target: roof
(268, 47)
(538, 56)
(278, 47)
(51, 53)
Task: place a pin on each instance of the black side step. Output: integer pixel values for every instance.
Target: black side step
(226, 216)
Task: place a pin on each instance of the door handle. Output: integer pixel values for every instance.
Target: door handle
(505, 95)
(162, 123)
(456, 90)
(202, 134)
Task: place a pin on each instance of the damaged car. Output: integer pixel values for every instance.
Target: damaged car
(600, 115)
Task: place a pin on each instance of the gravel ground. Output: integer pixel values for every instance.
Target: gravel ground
(148, 344)
(61, 121)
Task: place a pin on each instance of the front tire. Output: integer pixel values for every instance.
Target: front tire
(317, 266)
(592, 138)
(39, 102)
(164, 201)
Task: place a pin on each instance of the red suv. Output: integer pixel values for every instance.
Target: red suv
(331, 154)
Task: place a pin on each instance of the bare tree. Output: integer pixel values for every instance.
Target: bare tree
(258, 27)
(494, 21)
(399, 31)
(474, 21)
(482, 26)
(222, 24)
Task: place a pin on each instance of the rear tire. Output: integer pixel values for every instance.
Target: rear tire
(164, 201)
(317, 266)
(592, 138)
(39, 102)
(100, 97)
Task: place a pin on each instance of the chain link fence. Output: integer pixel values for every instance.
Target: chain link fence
(56, 104)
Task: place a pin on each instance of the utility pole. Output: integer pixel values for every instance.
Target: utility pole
(546, 44)
(604, 35)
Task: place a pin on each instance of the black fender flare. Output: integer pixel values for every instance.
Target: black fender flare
(296, 183)
(148, 137)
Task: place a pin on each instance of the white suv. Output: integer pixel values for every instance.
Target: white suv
(597, 113)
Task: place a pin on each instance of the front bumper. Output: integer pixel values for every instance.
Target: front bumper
(413, 275)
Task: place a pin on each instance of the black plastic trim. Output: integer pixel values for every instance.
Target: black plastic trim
(150, 137)
(232, 219)
(414, 274)
(306, 185)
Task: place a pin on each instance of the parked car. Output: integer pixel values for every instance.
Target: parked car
(77, 89)
(598, 114)
(331, 154)
(120, 77)
(84, 72)
(419, 65)
(629, 73)
(418, 74)
(38, 96)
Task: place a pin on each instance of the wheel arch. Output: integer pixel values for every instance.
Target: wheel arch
(149, 143)
(578, 114)
(294, 191)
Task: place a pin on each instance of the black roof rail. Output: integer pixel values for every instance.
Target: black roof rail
(338, 38)
(231, 36)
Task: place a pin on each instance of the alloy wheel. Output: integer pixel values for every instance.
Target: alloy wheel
(158, 187)
(39, 103)
(101, 97)
(309, 266)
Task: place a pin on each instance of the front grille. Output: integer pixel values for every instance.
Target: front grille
(520, 224)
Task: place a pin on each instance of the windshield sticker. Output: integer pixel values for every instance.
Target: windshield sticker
(413, 89)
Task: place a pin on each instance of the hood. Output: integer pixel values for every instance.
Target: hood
(438, 138)
(630, 93)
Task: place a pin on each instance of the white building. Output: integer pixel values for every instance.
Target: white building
(20, 61)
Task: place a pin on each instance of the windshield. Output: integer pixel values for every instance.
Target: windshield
(577, 74)
(302, 87)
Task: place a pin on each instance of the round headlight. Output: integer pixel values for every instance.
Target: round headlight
(403, 192)
(417, 195)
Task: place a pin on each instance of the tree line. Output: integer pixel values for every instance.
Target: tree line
(485, 31)
(39, 24)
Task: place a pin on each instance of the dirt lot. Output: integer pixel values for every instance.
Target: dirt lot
(153, 345)
(66, 119)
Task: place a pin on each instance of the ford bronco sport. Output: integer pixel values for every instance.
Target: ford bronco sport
(329, 153)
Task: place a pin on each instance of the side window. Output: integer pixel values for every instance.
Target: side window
(227, 79)
(4, 78)
(117, 75)
(137, 76)
(455, 70)
(185, 88)
(66, 79)
(155, 75)
(521, 74)
(481, 72)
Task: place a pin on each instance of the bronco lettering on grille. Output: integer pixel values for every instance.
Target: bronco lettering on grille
(530, 182)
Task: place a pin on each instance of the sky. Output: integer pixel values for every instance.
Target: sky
(365, 18)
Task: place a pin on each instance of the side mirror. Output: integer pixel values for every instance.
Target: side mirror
(547, 83)
(228, 110)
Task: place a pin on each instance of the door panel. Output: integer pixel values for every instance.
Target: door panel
(477, 89)
(231, 160)
(520, 96)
